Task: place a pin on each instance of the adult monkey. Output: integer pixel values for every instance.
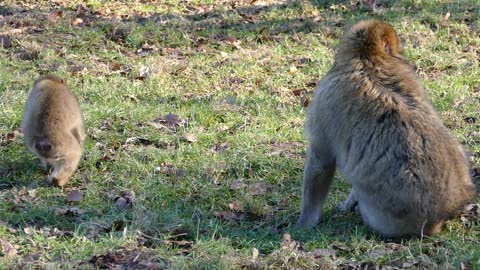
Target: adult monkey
(370, 117)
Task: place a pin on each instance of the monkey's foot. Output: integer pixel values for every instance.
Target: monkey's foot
(306, 222)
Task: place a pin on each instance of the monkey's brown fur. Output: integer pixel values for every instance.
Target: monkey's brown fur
(53, 126)
(371, 118)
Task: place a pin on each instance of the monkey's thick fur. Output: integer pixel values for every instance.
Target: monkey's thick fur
(53, 127)
(370, 117)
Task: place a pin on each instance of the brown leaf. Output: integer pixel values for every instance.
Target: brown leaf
(75, 196)
(410, 263)
(470, 216)
(125, 200)
(74, 211)
(259, 188)
(28, 56)
(8, 249)
(144, 73)
(147, 49)
(190, 137)
(304, 102)
(288, 149)
(128, 259)
(300, 92)
(77, 68)
(121, 203)
(322, 253)
(5, 41)
(293, 70)
(58, 14)
(237, 185)
(228, 216)
(23, 191)
(219, 148)
(77, 21)
(170, 121)
(13, 31)
(32, 257)
(180, 243)
(236, 206)
(290, 244)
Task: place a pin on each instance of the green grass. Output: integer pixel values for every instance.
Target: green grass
(223, 67)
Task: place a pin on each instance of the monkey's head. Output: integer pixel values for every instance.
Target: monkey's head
(372, 38)
(52, 78)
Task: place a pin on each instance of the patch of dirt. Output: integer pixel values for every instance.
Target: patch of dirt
(129, 259)
(286, 149)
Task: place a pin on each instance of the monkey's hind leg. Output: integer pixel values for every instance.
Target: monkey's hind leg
(319, 171)
(349, 204)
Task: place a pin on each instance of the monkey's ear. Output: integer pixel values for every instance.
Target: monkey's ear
(387, 45)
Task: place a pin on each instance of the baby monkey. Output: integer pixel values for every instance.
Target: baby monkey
(370, 117)
(53, 127)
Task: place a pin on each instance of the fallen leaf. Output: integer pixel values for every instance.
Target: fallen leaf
(74, 211)
(32, 257)
(447, 16)
(322, 252)
(236, 206)
(77, 21)
(75, 68)
(170, 121)
(13, 31)
(121, 203)
(23, 191)
(5, 41)
(220, 148)
(28, 230)
(300, 92)
(128, 259)
(237, 185)
(292, 70)
(290, 244)
(144, 73)
(259, 188)
(126, 199)
(410, 263)
(8, 249)
(224, 54)
(255, 254)
(190, 137)
(147, 49)
(28, 56)
(75, 196)
(470, 216)
(180, 243)
(228, 216)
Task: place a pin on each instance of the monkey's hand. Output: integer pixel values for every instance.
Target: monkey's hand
(349, 204)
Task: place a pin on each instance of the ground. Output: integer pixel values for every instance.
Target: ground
(195, 113)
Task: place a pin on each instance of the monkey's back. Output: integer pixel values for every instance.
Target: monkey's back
(390, 143)
(52, 112)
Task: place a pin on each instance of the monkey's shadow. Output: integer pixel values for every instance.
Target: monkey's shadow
(22, 169)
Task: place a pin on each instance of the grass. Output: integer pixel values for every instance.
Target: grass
(225, 72)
